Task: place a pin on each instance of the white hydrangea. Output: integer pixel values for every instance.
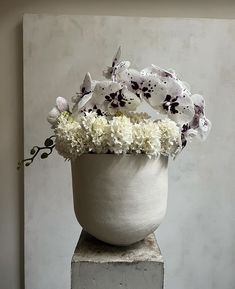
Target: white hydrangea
(146, 138)
(97, 132)
(120, 134)
(70, 139)
(169, 136)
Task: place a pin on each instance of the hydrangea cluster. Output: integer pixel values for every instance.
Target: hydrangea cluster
(91, 133)
(104, 117)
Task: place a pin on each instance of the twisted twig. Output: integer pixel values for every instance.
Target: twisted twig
(48, 145)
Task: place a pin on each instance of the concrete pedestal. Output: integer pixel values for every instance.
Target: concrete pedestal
(97, 265)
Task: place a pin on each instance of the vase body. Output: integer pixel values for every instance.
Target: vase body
(120, 199)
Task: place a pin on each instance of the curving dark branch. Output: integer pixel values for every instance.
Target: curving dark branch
(48, 147)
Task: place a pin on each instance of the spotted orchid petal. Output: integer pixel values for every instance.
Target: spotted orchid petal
(62, 104)
(86, 86)
(132, 79)
(117, 57)
(99, 109)
(122, 66)
(53, 115)
(84, 100)
(148, 71)
(164, 73)
(97, 101)
(175, 86)
(172, 72)
(153, 90)
(204, 128)
(167, 95)
(180, 109)
(199, 110)
(198, 100)
(85, 94)
(104, 89)
(123, 100)
(199, 124)
(109, 71)
(157, 71)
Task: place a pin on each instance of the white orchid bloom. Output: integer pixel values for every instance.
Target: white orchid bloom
(96, 100)
(61, 105)
(199, 126)
(204, 128)
(122, 100)
(200, 123)
(117, 66)
(132, 79)
(53, 115)
(109, 97)
(162, 90)
(178, 109)
(167, 94)
(84, 95)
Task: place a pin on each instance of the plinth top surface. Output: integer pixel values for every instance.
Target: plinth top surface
(90, 249)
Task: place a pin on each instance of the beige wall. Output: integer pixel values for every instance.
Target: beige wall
(11, 11)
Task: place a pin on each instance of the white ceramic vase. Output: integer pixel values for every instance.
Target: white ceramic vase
(120, 199)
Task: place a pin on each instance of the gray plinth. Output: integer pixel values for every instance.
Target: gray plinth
(97, 265)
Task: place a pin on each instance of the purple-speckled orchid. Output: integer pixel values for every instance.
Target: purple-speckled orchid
(61, 105)
(199, 126)
(199, 122)
(174, 96)
(108, 97)
(84, 95)
(160, 88)
(117, 67)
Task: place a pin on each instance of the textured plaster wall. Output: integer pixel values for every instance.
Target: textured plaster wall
(11, 114)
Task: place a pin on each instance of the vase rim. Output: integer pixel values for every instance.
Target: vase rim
(120, 156)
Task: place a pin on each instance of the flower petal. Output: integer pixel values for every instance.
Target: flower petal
(183, 112)
(97, 100)
(124, 100)
(120, 67)
(198, 100)
(117, 57)
(62, 104)
(163, 72)
(174, 88)
(53, 115)
(153, 90)
(109, 71)
(204, 128)
(132, 79)
(104, 89)
(86, 85)
(83, 101)
(148, 71)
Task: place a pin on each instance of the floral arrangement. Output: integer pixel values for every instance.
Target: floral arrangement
(106, 115)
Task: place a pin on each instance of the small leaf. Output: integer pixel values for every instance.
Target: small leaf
(27, 164)
(44, 156)
(48, 142)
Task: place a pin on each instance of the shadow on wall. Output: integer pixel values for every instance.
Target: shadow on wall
(20, 142)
